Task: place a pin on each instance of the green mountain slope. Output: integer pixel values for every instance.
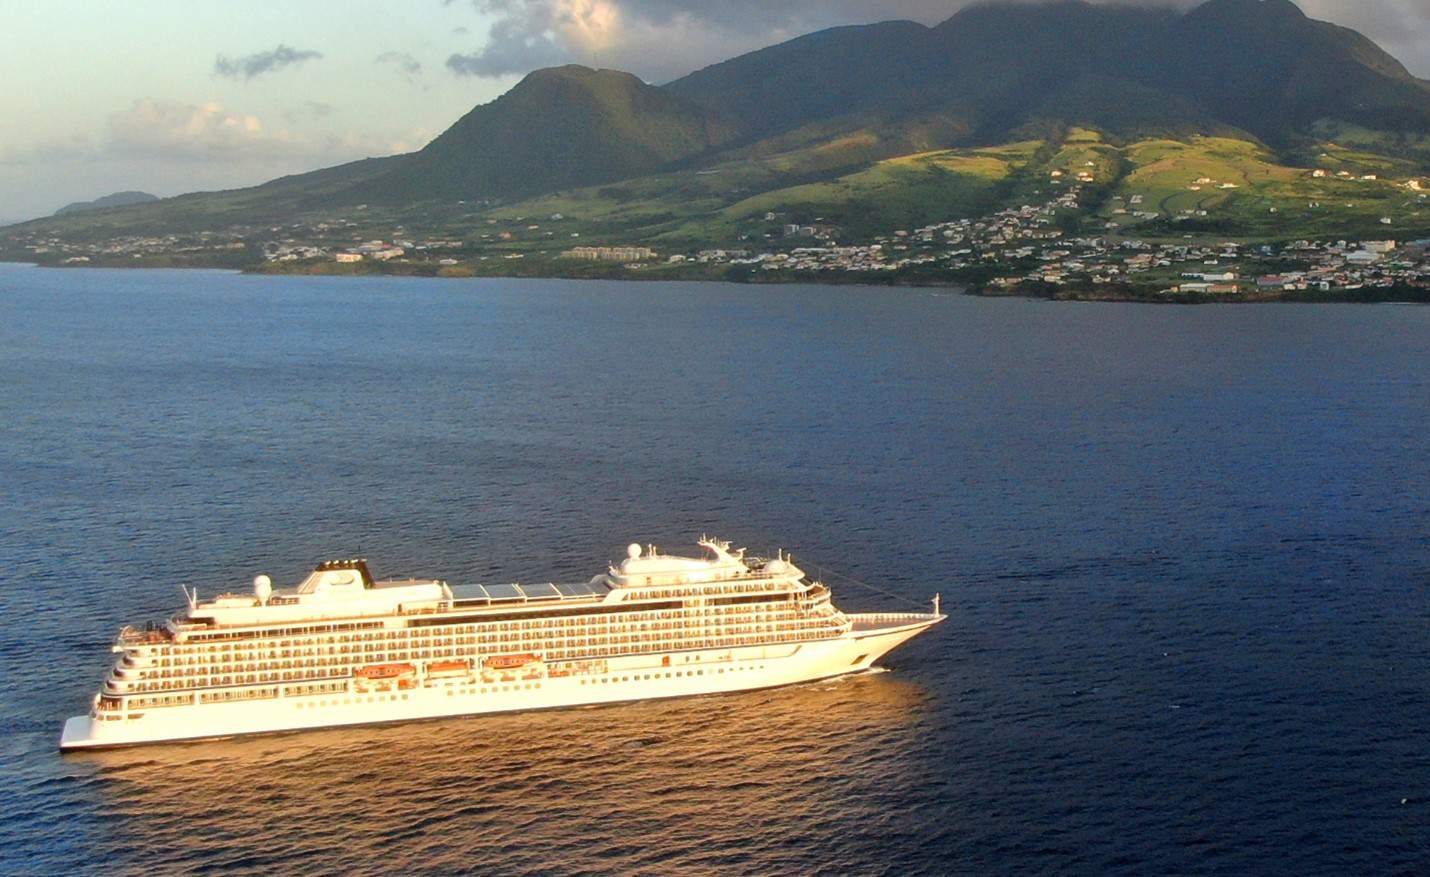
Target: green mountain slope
(276, 201)
(1157, 187)
(118, 199)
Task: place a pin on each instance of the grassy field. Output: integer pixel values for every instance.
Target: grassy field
(722, 204)
(1239, 189)
(1177, 179)
(897, 193)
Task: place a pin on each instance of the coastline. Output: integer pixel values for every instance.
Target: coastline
(1400, 294)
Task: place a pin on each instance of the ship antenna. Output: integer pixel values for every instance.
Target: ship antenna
(935, 604)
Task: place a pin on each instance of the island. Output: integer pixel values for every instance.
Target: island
(1239, 151)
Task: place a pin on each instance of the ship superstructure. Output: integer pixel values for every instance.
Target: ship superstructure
(342, 648)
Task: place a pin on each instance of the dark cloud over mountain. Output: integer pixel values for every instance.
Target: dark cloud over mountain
(247, 67)
(521, 41)
(661, 39)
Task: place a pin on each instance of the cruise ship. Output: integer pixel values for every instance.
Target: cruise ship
(344, 649)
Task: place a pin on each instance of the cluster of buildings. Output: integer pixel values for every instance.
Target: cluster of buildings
(1324, 265)
(292, 252)
(377, 250)
(610, 254)
(1026, 245)
(1227, 268)
(333, 238)
(1011, 234)
(49, 247)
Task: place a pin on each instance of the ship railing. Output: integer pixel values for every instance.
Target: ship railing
(864, 619)
(522, 599)
(133, 636)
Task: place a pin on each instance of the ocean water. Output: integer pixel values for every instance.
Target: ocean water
(1185, 551)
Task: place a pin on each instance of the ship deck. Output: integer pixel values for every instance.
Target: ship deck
(873, 622)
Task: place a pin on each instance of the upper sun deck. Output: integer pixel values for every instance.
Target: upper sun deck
(720, 563)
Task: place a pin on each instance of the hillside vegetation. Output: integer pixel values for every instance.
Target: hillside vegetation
(1236, 188)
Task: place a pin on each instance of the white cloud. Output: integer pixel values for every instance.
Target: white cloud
(170, 147)
(176, 131)
(171, 129)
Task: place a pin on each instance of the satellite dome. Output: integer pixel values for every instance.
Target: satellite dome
(633, 550)
(776, 567)
(262, 588)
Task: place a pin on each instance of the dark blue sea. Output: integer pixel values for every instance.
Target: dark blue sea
(1186, 554)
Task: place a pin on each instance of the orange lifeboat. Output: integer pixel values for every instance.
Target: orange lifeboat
(385, 671)
(509, 662)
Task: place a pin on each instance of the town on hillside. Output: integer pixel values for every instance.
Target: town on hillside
(1027, 249)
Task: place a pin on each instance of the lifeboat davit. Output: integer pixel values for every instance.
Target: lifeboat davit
(441, 669)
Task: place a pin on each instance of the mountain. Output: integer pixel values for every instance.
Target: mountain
(558, 127)
(883, 68)
(118, 199)
(1265, 66)
(1260, 66)
(1259, 71)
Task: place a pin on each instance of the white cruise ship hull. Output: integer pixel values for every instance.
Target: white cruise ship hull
(629, 678)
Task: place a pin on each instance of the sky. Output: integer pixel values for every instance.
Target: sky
(173, 96)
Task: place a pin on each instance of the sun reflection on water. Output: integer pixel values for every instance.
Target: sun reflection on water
(752, 781)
